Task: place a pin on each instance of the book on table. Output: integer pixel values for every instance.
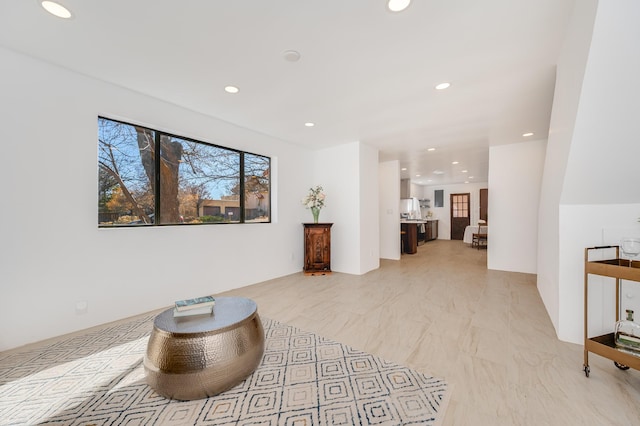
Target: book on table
(202, 310)
(195, 303)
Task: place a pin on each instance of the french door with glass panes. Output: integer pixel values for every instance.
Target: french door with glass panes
(459, 215)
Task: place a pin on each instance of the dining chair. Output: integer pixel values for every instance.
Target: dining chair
(479, 239)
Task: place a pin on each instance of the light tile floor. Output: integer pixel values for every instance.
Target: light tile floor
(442, 312)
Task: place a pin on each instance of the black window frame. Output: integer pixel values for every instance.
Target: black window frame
(157, 164)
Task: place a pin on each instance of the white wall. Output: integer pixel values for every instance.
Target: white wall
(590, 226)
(349, 175)
(590, 194)
(416, 190)
(369, 205)
(569, 77)
(601, 181)
(603, 161)
(389, 212)
(443, 214)
(515, 178)
(54, 255)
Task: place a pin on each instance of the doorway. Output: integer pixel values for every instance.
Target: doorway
(484, 204)
(459, 215)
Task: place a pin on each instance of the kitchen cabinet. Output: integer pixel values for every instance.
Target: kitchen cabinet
(317, 248)
(409, 237)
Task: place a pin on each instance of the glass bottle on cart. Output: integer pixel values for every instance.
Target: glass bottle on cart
(627, 334)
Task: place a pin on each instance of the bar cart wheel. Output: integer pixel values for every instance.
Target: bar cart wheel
(620, 366)
(586, 370)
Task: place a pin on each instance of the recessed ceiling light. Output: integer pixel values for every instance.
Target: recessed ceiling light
(438, 172)
(443, 86)
(309, 124)
(56, 9)
(527, 134)
(470, 177)
(417, 175)
(463, 171)
(454, 162)
(429, 180)
(231, 89)
(403, 169)
(398, 5)
(466, 181)
(431, 149)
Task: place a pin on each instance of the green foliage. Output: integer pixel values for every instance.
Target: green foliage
(211, 219)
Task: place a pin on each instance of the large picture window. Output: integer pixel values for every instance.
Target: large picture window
(190, 182)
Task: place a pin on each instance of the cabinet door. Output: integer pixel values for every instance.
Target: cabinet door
(317, 243)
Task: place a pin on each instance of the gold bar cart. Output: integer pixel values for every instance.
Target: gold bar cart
(620, 269)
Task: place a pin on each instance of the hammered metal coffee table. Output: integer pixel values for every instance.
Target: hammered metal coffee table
(199, 356)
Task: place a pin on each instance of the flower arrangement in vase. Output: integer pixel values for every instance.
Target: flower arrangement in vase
(314, 201)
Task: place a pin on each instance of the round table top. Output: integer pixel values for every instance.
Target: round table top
(227, 312)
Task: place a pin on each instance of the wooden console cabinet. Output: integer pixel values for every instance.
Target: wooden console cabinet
(317, 248)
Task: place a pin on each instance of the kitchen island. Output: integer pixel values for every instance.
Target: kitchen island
(410, 233)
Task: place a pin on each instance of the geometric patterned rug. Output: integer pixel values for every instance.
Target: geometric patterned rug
(97, 378)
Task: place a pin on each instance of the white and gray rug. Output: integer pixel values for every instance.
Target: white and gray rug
(97, 378)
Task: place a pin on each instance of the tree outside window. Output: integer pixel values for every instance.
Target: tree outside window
(190, 182)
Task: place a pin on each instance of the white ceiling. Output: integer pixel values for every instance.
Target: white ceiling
(365, 74)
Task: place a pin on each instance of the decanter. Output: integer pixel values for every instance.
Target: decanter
(627, 334)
